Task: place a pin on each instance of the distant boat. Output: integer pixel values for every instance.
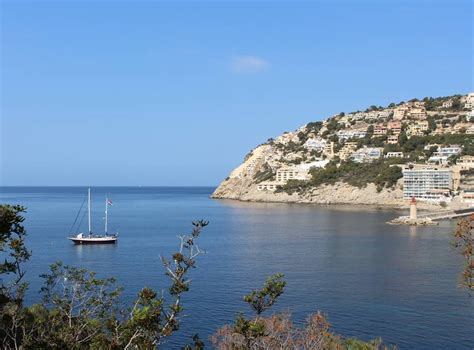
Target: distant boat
(91, 238)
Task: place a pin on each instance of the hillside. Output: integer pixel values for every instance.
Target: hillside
(358, 157)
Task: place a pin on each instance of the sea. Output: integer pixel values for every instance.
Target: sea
(371, 279)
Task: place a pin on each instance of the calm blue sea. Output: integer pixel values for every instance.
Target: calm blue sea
(371, 279)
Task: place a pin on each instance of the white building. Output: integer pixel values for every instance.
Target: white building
(448, 151)
(394, 155)
(447, 104)
(438, 159)
(469, 101)
(317, 144)
(347, 134)
(267, 186)
(319, 163)
(291, 173)
(366, 154)
(392, 139)
(470, 116)
(427, 183)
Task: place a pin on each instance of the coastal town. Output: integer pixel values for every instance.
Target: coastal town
(422, 149)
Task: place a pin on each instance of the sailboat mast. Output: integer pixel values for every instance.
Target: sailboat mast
(89, 209)
(106, 206)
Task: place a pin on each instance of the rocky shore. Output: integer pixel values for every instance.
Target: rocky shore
(337, 194)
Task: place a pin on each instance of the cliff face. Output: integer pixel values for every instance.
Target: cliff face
(243, 185)
(339, 193)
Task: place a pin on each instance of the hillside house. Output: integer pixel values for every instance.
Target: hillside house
(317, 144)
(447, 104)
(392, 139)
(469, 104)
(394, 155)
(395, 126)
(380, 129)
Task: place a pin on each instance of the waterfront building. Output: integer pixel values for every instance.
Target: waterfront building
(267, 186)
(427, 183)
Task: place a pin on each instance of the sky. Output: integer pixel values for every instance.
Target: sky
(157, 93)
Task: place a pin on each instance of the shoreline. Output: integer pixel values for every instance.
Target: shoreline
(354, 206)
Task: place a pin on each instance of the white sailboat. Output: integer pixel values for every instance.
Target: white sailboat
(91, 238)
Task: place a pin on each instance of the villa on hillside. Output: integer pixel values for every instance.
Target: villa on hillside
(347, 134)
(317, 144)
(392, 139)
(366, 154)
(469, 104)
(394, 155)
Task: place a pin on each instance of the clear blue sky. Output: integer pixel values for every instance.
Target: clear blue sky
(176, 93)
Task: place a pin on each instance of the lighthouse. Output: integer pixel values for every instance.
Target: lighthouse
(413, 208)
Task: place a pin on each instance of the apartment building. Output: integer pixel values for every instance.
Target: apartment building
(466, 162)
(427, 183)
(291, 173)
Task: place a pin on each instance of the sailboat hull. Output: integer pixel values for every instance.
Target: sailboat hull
(94, 240)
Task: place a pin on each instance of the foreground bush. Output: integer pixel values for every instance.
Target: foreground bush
(278, 331)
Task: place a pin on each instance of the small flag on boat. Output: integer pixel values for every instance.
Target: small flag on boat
(109, 202)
